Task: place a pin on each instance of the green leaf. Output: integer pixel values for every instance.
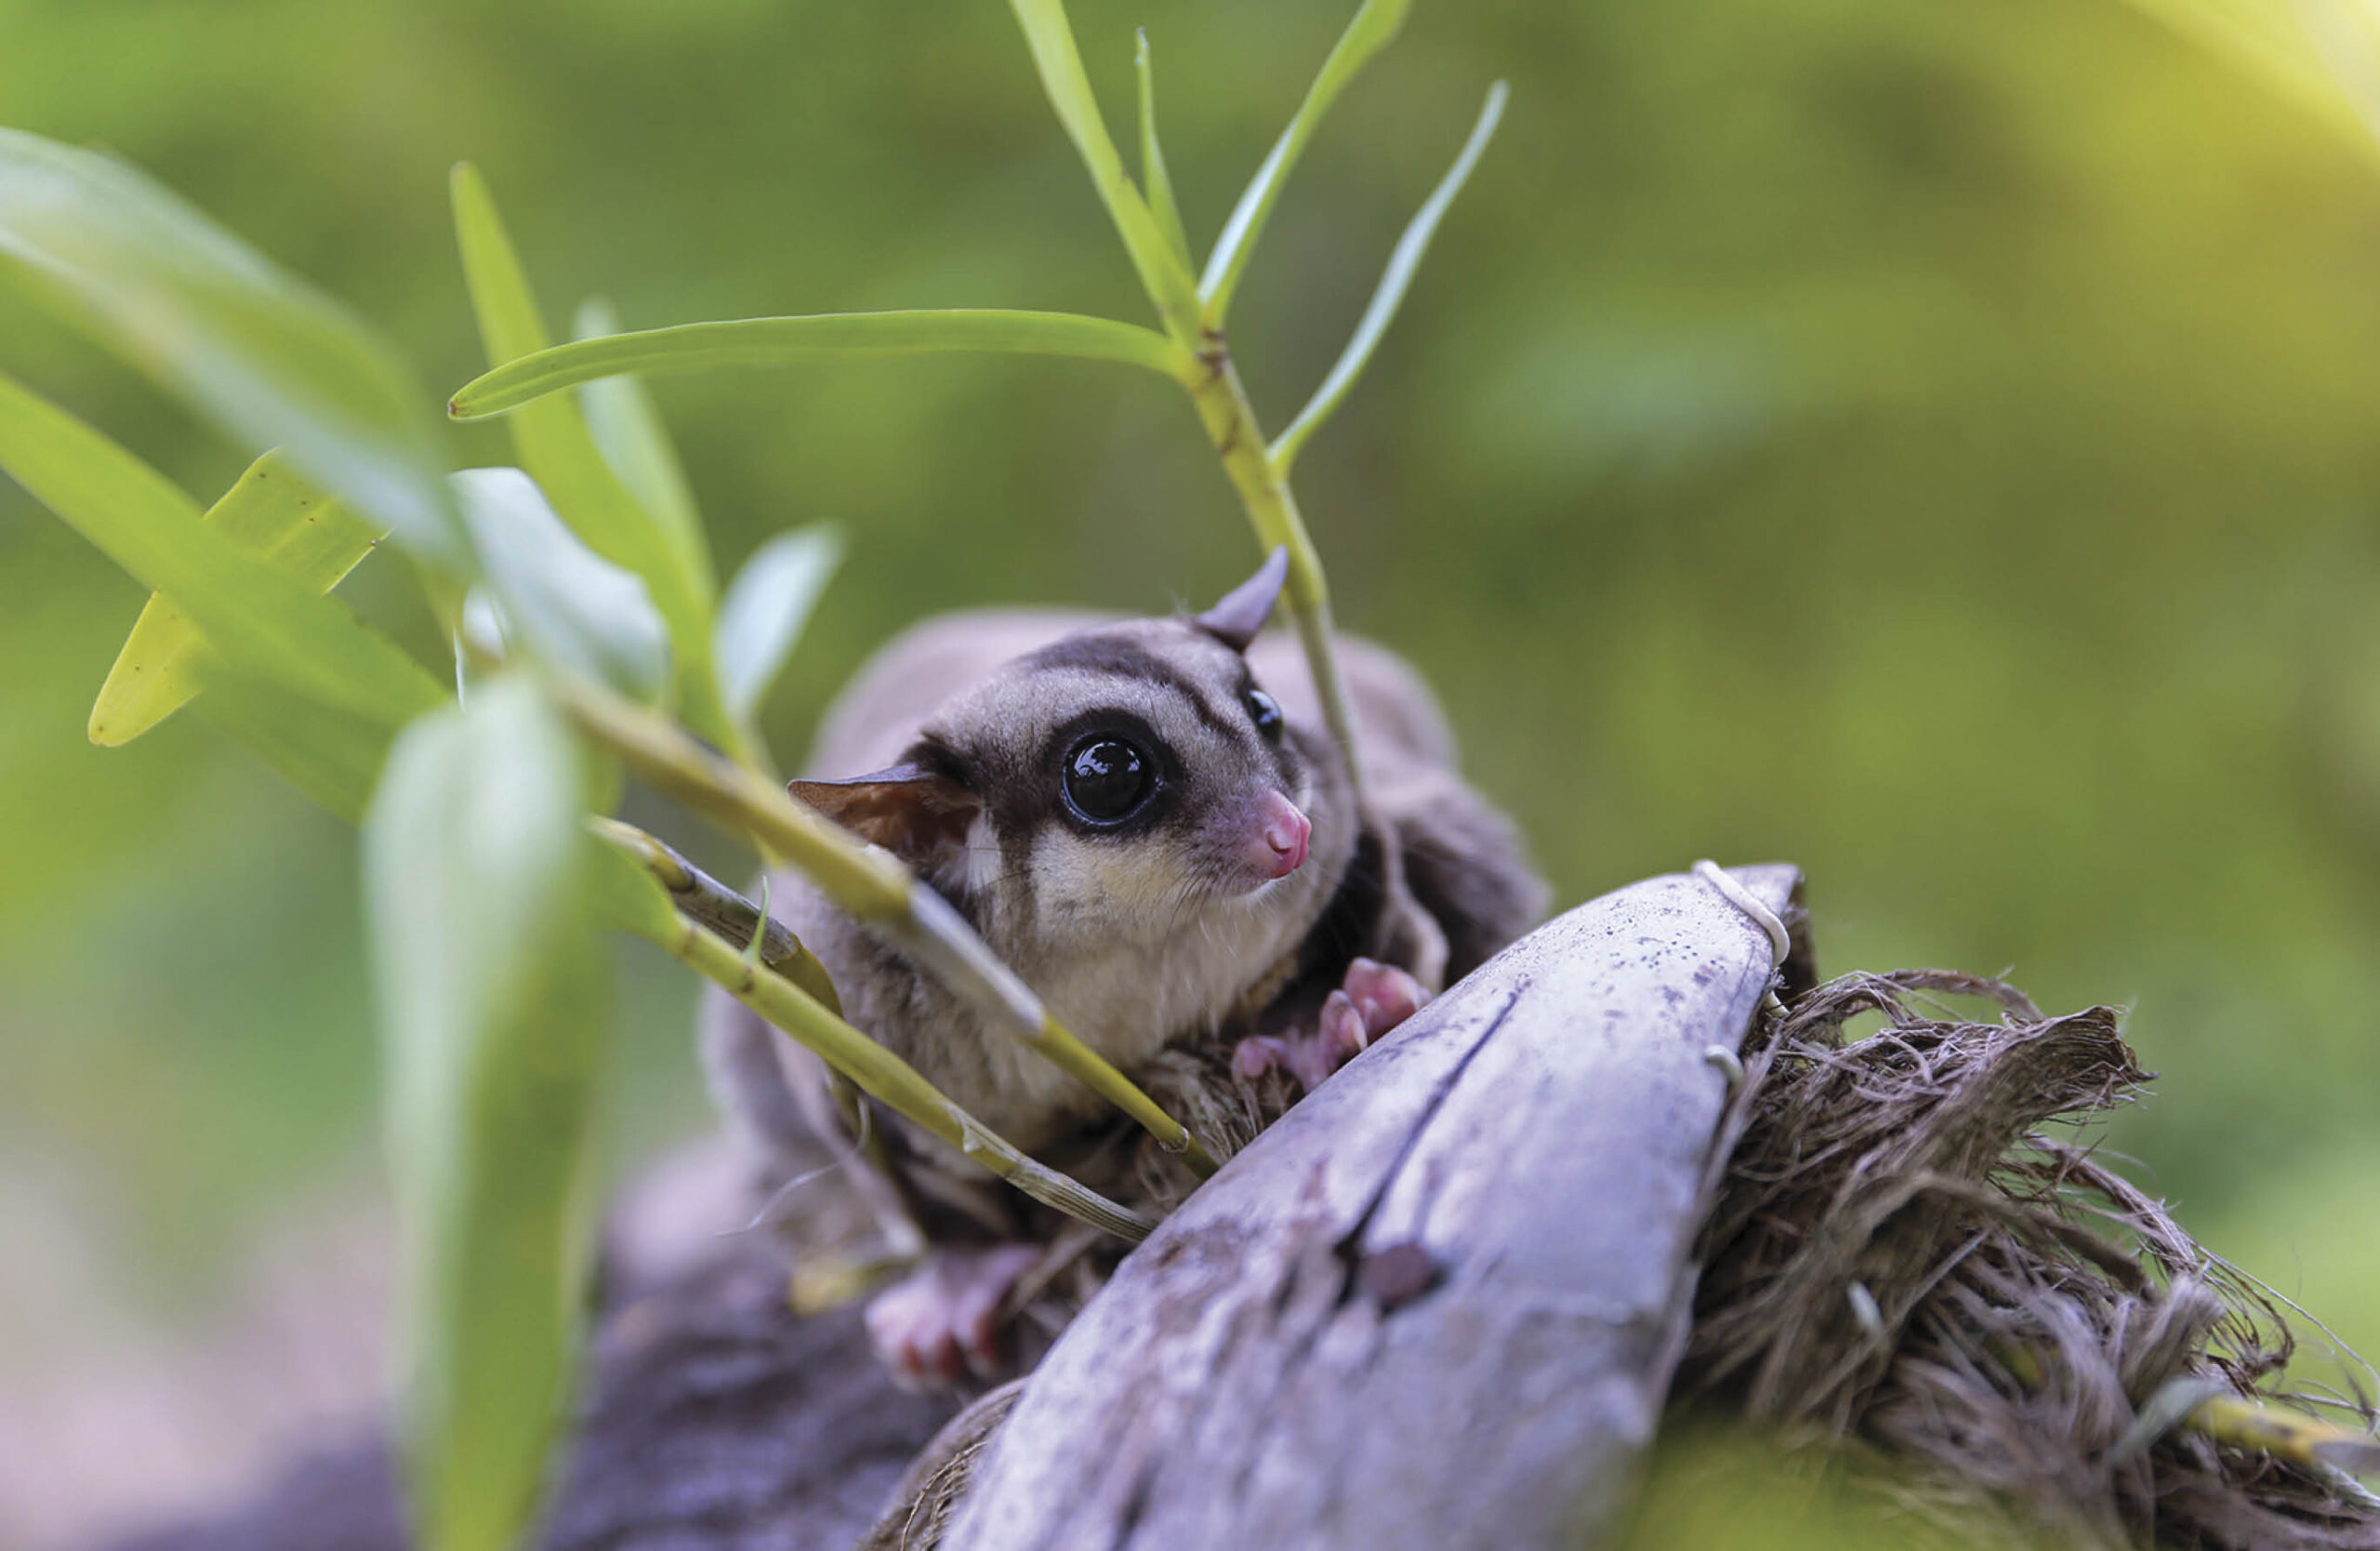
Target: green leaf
(491, 1000)
(261, 619)
(1372, 29)
(624, 896)
(572, 609)
(1402, 262)
(627, 430)
(1153, 174)
(775, 341)
(266, 358)
(1164, 276)
(766, 607)
(555, 446)
(332, 755)
(274, 512)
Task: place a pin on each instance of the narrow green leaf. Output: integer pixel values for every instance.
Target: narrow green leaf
(266, 358)
(1402, 263)
(261, 620)
(628, 429)
(767, 605)
(332, 755)
(775, 341)
(1164, 276)
(274, 512)
(555, 446)
(1153, 174)
(572, 609)
(491, 1000)
(625, 897)
(1372, 29)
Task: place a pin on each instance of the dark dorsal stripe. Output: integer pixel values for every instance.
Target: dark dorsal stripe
(1350, 921)
(1097, 652)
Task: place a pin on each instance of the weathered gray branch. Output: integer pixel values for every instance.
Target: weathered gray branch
(1439, 1303)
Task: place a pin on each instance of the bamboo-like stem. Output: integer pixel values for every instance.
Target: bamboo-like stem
(868, 883)
(713, 905)
(884, 1076)
(720, 909)
(1263, 489)
(2301, 1439)
(1193, 310)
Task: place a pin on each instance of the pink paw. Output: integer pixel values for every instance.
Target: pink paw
(942, 1321)
(1371, 1000)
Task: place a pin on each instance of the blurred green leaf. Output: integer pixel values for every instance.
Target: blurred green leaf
(1153, 174)
(624, 896)
(1375, 26)
(274, 513)
(573, 610)
(250, 348)
(259, 618)
(766, 606)
(491, 1000)
(775, 341)
(333, 755)
(627, 430)
(1743, 1491)
(559, 451)
(1164, 276)
(1402, 263)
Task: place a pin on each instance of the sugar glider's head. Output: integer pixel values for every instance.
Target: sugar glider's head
(1124, 813)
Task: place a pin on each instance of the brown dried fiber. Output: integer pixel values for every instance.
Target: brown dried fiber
(1910, 1250)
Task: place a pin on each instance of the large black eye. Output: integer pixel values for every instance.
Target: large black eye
(1107, 780)
(1266, 712)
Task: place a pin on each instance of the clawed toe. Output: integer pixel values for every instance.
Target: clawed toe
(942, 1322)
(1257, 1054)
(1384, 994)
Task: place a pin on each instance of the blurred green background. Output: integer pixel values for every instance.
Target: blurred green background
(1939, 445)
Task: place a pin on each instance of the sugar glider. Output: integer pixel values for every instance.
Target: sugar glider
(1148, 820)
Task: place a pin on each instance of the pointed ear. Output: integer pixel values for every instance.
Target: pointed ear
(1235, 621)
(911, 811)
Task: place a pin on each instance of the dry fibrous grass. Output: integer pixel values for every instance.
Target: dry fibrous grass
(1911, 1248)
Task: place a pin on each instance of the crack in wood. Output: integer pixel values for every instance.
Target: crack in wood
(1349, 1247)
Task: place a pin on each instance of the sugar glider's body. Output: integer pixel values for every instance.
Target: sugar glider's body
(1229, 905)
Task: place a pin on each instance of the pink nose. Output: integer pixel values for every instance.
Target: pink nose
(1282, 833)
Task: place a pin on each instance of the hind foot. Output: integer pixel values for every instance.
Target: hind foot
(942, 1322)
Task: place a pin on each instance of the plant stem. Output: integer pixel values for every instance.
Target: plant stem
(1231, 425)
(884, 1076)
(713, 905)
(2303, 1440)
(866, 883)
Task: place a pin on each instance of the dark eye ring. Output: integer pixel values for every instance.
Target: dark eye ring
(1266, 712)
(1107, 780)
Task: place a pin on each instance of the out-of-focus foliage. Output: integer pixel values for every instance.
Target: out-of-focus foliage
(247, 345)
(492, 986)
(765, 607)
(275, 511)
(1735, 1492)
(1937, 444)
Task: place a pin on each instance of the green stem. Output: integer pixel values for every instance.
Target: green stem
(884, 1076)
(1230, 419)
(713, 904)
